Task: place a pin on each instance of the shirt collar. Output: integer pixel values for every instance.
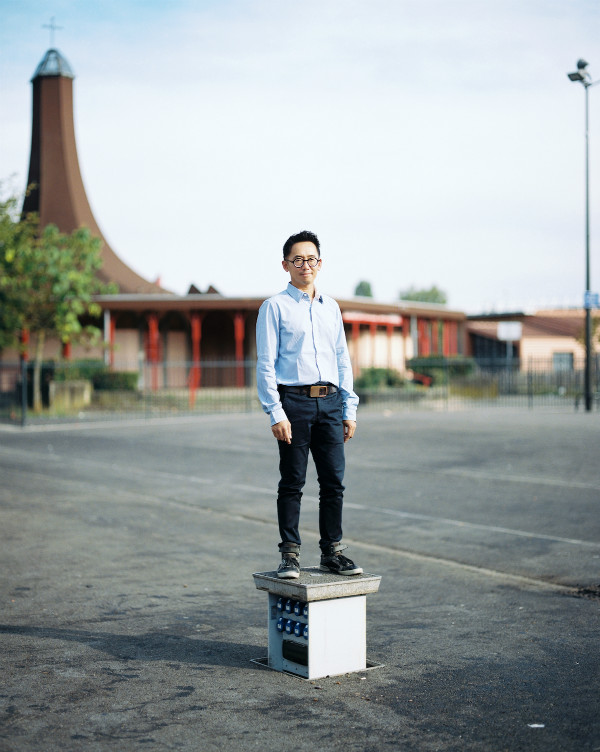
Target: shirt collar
(297, 294)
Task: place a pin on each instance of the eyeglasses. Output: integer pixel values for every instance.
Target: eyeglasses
(299, 262)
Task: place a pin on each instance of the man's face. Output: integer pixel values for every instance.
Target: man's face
(306, 274)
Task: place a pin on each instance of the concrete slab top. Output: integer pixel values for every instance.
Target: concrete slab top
(315, 585)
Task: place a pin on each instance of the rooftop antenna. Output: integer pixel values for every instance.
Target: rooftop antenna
(53, 27)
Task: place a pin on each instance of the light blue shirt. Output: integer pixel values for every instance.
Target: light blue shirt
(301, 342)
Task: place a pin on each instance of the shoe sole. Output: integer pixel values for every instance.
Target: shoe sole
(288, 575)
(349, 573)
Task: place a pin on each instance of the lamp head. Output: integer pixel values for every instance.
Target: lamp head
(581, 74)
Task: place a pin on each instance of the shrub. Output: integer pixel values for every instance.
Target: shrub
(81, 369)
(97, 372)
(378, 378)
(123, 380)
(439, 368)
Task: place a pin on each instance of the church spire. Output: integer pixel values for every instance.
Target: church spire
(58, 194)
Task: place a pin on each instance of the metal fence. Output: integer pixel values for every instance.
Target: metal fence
(535, 383)
(89, 391)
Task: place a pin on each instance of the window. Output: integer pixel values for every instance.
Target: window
(562, 361)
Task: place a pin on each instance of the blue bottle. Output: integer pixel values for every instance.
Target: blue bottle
(298, 629)
(280, 624)
(298, 608)
(289, 626)
(289, 606)
(280, 604)
(305, 611)
(305, 632)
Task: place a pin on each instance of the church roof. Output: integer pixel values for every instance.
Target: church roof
(59, 195)
(53, 64)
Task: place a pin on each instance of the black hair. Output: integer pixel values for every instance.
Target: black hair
(305, 236)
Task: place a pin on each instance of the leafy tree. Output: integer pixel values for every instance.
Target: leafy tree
(431, 295)
(47, 282)
(363, 289)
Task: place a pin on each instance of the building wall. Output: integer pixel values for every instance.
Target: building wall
(177, 355)
(543, 348)
(375, 349)
(127, 348)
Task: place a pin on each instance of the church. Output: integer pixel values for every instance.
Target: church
(144, 324)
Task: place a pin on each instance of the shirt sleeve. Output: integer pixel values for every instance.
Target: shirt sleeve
(346, 381)
(267, 348)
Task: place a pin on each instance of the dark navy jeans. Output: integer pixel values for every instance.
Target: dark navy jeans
(316, 427)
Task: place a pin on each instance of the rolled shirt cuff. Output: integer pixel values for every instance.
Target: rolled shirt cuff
(277, 415)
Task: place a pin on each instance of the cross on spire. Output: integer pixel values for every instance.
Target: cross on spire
(53, 27)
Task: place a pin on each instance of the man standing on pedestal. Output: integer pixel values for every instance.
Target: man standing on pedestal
(304, 380)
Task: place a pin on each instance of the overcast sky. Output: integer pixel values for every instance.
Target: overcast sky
(424, 141)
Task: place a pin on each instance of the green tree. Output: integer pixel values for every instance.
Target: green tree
(431, 295)
(47, 283)
(363, 289)
(594, 334)
(14, 237)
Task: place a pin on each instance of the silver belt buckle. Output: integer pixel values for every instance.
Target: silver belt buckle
(318, 391)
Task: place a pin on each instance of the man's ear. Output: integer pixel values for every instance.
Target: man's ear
(284, 263)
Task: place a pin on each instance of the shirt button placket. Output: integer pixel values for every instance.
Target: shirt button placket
(314, 338)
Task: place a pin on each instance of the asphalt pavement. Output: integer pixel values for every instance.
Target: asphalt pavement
(130, 619)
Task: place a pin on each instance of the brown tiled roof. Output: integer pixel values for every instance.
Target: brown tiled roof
(544, 324)
(553, 326)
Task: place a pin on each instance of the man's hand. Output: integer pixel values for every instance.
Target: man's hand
(349, 429)
(282, 431)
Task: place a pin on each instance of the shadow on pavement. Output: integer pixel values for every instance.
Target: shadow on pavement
(152, 646)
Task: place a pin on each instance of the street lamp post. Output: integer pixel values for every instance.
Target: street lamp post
(583, 77)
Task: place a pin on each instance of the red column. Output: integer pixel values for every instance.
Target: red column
(153, 348)
(196, 372)
(24, 344)
(448, 326)
(239, 326)
(434, 337)
(66, 350)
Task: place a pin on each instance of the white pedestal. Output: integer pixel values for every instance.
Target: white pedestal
(317, 624)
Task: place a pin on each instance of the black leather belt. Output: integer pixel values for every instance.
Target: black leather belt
(314, 390)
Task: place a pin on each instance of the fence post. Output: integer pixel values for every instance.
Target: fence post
(447, 380)
(595, 384)
(23, 392)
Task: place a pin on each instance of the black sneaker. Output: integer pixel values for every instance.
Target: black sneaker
(333, 561)
(290, 567)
